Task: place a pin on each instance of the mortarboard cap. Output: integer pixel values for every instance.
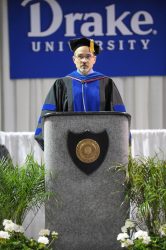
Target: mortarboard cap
(76, 43)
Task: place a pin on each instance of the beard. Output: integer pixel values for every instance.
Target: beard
(84, 69)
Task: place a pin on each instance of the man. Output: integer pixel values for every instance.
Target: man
(83, 90)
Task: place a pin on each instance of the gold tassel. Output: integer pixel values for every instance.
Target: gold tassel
(92, 49)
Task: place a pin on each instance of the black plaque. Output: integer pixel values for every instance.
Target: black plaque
(88, 149)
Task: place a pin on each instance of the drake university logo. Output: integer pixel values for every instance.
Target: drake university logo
(131, 36)
(140, 23)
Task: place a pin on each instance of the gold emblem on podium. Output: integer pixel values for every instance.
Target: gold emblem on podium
(87, 150)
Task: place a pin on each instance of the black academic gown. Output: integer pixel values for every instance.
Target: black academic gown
(78, 93)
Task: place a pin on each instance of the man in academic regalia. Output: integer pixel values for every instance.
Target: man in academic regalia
(83, 90)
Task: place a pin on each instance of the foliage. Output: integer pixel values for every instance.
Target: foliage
(146, 190)
(13, 238)
(21, 188)
(133, 238)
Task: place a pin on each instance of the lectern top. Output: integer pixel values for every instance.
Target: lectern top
(87, 113)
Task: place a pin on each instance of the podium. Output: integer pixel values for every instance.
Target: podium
(87, 209)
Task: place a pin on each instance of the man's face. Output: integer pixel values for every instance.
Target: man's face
(84, 59)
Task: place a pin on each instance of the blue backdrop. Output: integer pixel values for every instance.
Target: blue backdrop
(131, 34)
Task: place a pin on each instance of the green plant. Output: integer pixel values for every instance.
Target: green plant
(22, 188)
(146, 190)
(133, 238)
(13, 238)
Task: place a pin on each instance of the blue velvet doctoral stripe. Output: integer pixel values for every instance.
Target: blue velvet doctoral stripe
(50, 107)
(119, 108)
(89, 92)
(38, 131)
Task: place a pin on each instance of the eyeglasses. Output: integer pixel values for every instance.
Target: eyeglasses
(87, 57)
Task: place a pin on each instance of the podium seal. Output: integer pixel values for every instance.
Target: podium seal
(87, 149)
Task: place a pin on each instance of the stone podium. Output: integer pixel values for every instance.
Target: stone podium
(87, 209)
